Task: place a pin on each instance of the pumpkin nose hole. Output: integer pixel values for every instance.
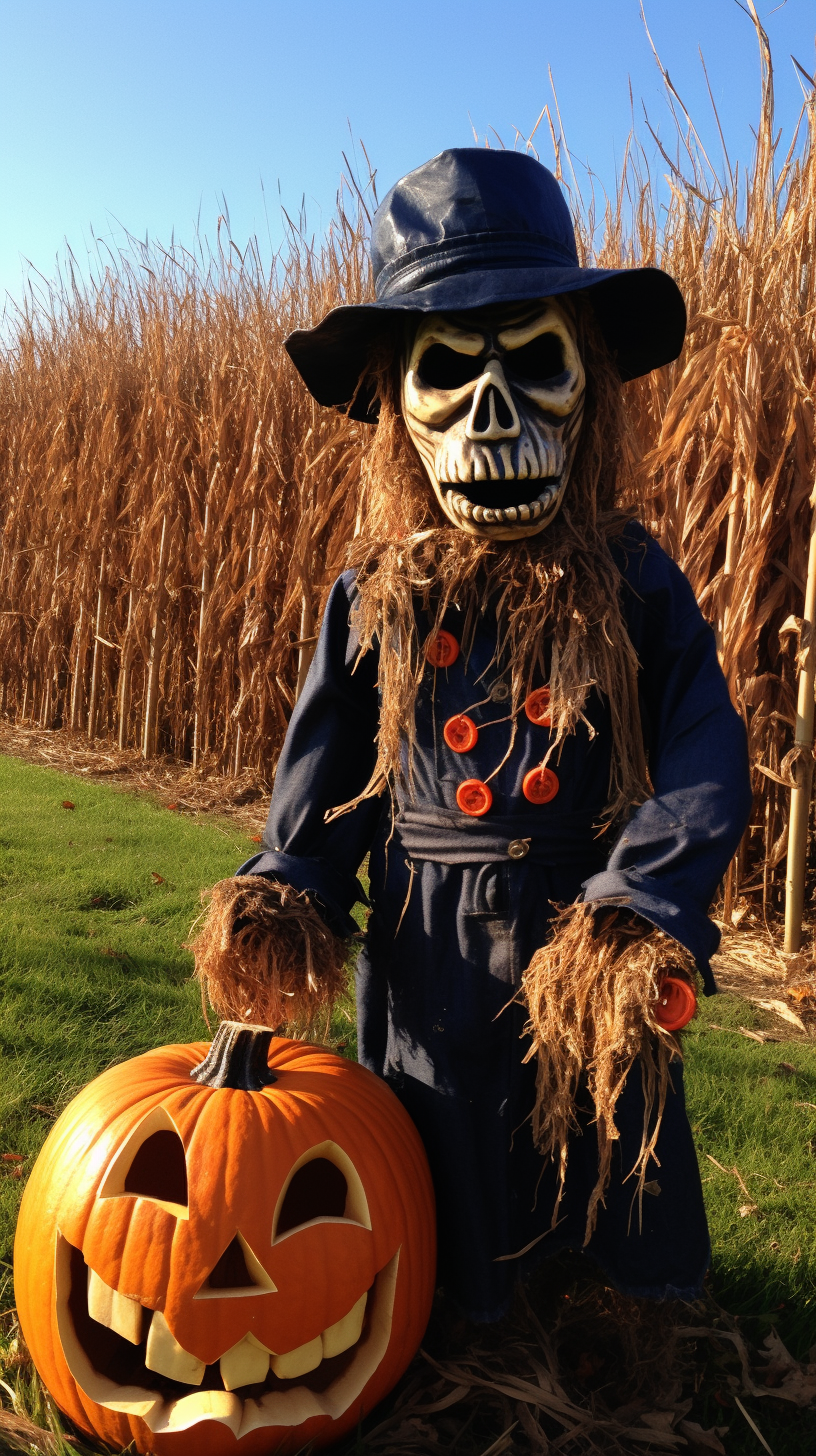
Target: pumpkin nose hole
(317, 1190)
(231, 1271)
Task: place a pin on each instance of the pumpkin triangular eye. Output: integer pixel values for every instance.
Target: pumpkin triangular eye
(151, 1165)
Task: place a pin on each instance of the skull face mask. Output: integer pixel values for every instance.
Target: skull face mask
(493, 402)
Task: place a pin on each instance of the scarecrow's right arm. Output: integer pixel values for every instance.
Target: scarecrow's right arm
(275, 939)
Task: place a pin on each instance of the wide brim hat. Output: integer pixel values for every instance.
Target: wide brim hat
(472, 228)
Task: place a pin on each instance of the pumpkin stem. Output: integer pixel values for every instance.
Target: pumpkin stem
(237, 1058)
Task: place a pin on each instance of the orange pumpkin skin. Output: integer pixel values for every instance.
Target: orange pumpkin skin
(240, 1149)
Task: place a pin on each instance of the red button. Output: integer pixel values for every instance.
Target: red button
(474, 797)
(442, 649)
(537, 707)
(540, 785)
(461, 733)
(676, 1004)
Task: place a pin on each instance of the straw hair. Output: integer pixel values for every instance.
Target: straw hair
(591, 992)
(264, 955)
(554, 598)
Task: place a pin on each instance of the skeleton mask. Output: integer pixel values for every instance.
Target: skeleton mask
(493, 402)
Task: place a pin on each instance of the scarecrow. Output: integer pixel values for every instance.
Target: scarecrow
(516, 710)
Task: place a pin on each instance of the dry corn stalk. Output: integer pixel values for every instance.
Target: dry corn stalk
(160, 390)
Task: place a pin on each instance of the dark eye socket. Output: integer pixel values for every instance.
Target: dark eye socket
(541, 359)
(318, 1190)
(159, 1169)
(444, 368)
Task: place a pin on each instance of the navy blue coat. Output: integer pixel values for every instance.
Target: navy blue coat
(436, 974)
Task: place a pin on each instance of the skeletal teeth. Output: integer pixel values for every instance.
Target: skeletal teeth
(524, 512)
(167, 1357)
(117, 1311)
(298, 1362)
(245, 1364)
(346, 1332)
(489, 517)
(511, 513)
(478, 513)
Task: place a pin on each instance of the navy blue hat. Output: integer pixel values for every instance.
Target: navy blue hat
(471, 228)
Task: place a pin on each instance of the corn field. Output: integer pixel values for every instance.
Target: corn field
(174, 506)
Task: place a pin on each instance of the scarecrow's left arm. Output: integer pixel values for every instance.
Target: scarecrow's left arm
(673, 852)
(275, 941)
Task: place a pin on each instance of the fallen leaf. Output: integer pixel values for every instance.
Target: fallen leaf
(701, 1440)
(746, 1210)
(43, 1108)
(785, 1069)
(800, 993)
(256, 839)
(760, 1036)
(12, 1157)
(784, 1011)
(652, 1187)
(16, 1171)
(661, 1420)
(157, 879)
(172, 806)
(66, 804)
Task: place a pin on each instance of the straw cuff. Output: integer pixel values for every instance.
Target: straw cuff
(679, 917)
(333, 893)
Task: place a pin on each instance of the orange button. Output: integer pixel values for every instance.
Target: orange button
(461, 733)
(540, 785)
(442, 649)
(676, 1004)
(474, 797)
(537, 707)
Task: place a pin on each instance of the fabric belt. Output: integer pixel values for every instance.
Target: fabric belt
(448, 837)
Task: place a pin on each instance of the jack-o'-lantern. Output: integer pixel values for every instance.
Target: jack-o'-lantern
(235, 1248)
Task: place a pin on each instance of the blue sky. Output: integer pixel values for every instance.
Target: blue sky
(144, 113)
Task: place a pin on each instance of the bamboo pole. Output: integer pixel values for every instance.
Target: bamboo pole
(125, 666)
(206, 578)
(96, 667)
(151, 716)
(308, 641)
(802, 765)
(79, 664)
(238, 755)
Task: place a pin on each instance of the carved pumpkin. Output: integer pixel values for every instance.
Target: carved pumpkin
(248, 1255)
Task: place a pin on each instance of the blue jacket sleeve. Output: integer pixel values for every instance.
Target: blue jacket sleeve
(327, 759)
(674, 850)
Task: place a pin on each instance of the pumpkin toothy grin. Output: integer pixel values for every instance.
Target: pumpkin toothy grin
(125, 1357)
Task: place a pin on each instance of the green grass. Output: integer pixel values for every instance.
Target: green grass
(95, 905)
(743, 1107)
